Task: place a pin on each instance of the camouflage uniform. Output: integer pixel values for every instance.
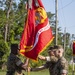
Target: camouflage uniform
(51, 62)
(61, 67)
(13, 65)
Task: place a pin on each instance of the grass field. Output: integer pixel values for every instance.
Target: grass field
(45, 72)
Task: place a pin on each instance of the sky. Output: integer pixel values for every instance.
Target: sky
(66, 13)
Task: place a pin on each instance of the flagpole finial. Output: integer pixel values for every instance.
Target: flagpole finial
(30, 4)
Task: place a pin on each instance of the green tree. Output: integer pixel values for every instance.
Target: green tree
(4, 51)
(2, 22)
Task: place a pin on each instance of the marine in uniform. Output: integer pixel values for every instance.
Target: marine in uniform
(50, 61)
(61, 67)
(14, 64)
(56, 67)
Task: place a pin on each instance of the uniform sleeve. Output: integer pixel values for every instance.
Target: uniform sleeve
(64, 66)
(53, 59)
(18, 62)
(47, 64)
(47, 58)
(38, 68)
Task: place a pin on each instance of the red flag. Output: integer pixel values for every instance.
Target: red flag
(37, 34)
(73, 48)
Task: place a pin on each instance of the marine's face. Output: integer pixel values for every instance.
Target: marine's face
(51, 53)
(59, 53)
(56, 53)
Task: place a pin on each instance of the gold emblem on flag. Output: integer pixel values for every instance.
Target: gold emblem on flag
(40, 15)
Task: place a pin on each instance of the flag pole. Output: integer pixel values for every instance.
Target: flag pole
(28, 70)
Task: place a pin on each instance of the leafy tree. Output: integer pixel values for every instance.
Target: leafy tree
(68, 53)
(4, 51)
(2, 22)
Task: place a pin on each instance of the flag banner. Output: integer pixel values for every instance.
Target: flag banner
(73, 48)
(37, 34)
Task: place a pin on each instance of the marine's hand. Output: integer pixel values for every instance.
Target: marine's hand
(26, 62)
(41, 57)
(29, 69)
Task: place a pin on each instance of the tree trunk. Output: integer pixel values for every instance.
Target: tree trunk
(7, 24)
